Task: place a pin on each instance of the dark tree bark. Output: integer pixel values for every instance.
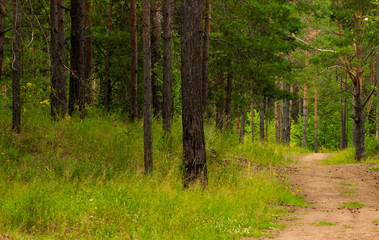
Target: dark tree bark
(58, 60)
(194, 160)
(228, 102)
(252, 113)
(88, 56)
(156, 55)
(133, 70)
(277, 127)
(266, 118)
(262, 120)
(377, 92)
(2, 34)
(242, 128)
(286, 123)
(107, 81)
(77, 79)
(206, 44)
(147, 123)
(16, 67)
(295, 104)
(343, 117)
(167, 77)
(220, 102)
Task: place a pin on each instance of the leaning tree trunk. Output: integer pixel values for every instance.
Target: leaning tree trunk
(133, 65)
(156, 54)
(194, 159)
(206, 44)
(16, 67)
(147, 123)
(167, 78)
(77, 80)
(107, 82)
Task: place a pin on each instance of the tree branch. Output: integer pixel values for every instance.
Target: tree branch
(318, 49)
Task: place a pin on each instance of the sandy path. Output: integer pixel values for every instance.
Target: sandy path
(325, 189)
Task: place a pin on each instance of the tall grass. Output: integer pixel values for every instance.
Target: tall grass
(76, 179)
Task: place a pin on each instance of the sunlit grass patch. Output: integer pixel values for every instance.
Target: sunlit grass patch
(352, 205)
(323, 223)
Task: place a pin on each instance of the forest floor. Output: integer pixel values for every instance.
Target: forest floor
(343, 200)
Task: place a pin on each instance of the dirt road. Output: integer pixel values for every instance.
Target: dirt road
(326, 188)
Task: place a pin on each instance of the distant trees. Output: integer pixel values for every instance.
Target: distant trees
(133, 65)
(16, 67)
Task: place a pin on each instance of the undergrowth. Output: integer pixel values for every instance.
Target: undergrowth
(76, 179)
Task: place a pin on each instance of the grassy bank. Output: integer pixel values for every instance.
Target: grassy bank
(83, 180)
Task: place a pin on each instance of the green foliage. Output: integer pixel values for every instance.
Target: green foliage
(84, 180)
(353, 205)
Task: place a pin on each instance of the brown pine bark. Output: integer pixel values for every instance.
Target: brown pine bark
(194, 159)
(167, 77)
(16, 67)
(286, 123)
(206, 45)
(2, 35)
(156, 55)
(58, 60)
(228, 101)
(295, 104)
(88, 56)
(147, 122)
(107, 82)
(77, 79)
(316, 117)
(133, 70)
(252, 113)
(343, 116)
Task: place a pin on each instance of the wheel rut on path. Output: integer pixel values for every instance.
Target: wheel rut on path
(326, 188)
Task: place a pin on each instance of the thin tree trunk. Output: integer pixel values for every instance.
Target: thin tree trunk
(107, 82)
(88, 56)
(148, 133)
(295, 104)
(242, 128)
(77, 79)
(156, 55)
(252, 113)
(2, 35)
(262, 120)
(377, 92)
(277, 130)
(343, 117)
(16, 67)
(194, 159)
(286, 118)
(316, 118)
(237, 124)
(266, 119)
(167, 78)
(133, 70)
(206, 44)
(228, 102)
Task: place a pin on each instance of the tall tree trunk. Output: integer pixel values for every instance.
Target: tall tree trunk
(88, 56)
(295, 104)
(252, 113)
(343, 117)
(266, 118)
(242, 128)
(194, 160)
(316, 118)
(77, 80)
(133, 70)
(206, 44)
(220, 103)
(305, 99)
(107, 81)
(228, 102)
(16, 67)
(58, 60)
(277, 129)
(156, 56)
(377, 92)
(286, 127)
(262, 120)
(147, 123)
(167, 77)
(2, 35)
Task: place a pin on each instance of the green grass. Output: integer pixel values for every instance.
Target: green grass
(352, 205)
(76, 179)
(348, 184)
(375, 222)
(324, 224)
(347, 157)
(373, 168)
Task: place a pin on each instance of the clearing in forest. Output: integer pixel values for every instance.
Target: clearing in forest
(343, 201)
